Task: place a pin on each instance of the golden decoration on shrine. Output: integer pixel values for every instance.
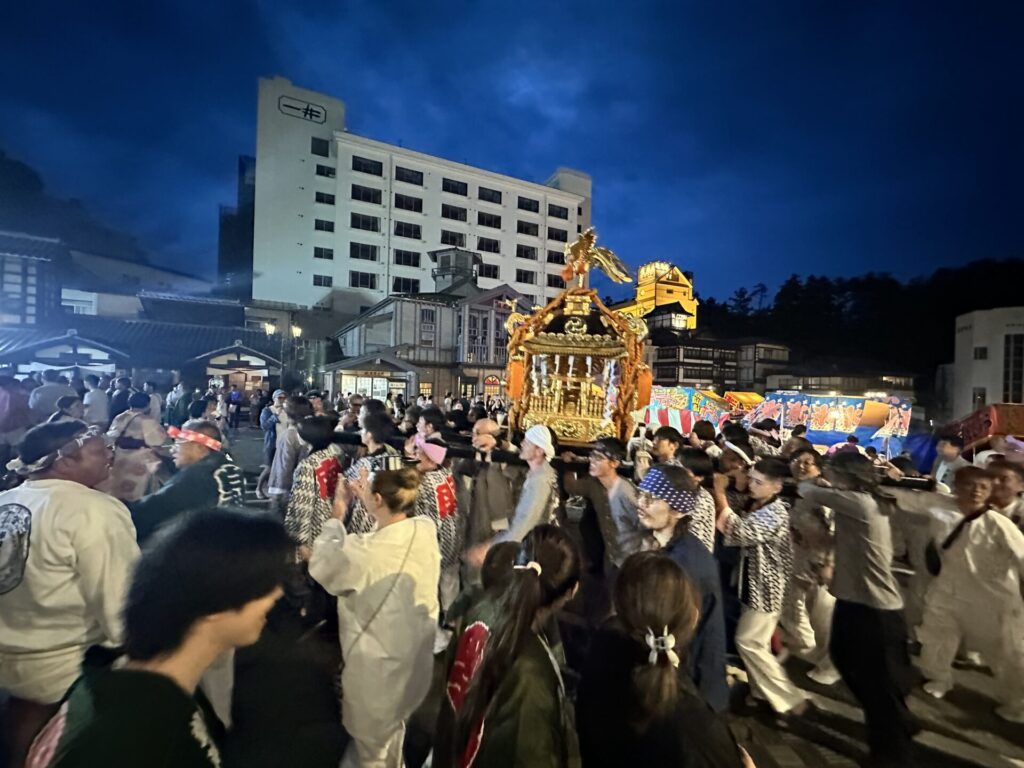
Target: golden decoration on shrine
(575, 365)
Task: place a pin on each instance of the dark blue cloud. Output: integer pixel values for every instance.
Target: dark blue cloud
(743, 141)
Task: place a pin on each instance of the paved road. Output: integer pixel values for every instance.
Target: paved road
(960, 730)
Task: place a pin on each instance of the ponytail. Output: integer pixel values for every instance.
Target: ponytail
(659, 608)
(546, 568)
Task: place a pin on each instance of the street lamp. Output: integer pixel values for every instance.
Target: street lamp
(270, 328)
(296, 331)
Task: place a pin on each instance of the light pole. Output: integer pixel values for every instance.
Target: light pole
(271, 329)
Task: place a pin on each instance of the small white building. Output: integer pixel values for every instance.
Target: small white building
(989, 359)
(343, 221)
(450, 340)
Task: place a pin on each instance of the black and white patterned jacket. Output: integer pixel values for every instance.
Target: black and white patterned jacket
(766, 561)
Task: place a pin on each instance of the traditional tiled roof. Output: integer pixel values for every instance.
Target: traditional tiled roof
(147, 343)
(32, 247)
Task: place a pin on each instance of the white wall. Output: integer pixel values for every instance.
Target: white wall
(986, 329)
(286, 186)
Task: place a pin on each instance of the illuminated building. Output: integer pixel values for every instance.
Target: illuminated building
(664, 287)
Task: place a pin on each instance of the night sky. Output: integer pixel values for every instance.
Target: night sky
(742, 141)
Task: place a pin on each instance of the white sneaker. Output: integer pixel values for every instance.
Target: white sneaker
(1013, 713)
(936, 689)
(824, 676)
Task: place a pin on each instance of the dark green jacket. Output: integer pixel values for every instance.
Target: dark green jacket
(212, 482)
(129, 719)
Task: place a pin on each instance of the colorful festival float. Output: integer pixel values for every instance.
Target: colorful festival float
(881, 422)
(681, 407)
(574, 365)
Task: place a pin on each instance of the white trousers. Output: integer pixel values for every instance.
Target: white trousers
(383, 751)
(768, 680)
(807, 619)
(996, 631)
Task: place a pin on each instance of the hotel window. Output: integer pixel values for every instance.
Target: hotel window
(322, 225)
(323, 281)
(488, 220)
(408, 203)
(405, 285)
(455, 187)
(363, 165)
(489, 271)
(529, 204)
(1013, 368)
(366, 194)
(323, 253)
(321, 147)
(663, 372)
(488, 245)
(363, 251)
(409, 176)
(558, 234)
(362, 221)
(405, 229)
(558, 211)
(489, 195)
(556, 257)
(526, 252)
(407, 258)
(526, 276)
(326, 171)
(458, 239)
(527, 228)
(579, 210)
(325, 197)
(554, 281)
(428, 315)
(981, 353)
(362, 280)
(453, 212)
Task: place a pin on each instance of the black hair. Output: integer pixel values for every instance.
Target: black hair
(611, 447)
(50, 375)
(66, 401)
(204, 427)
(819, 462)
(413, 413)
(197, 408)
(380, 426)
(93, 379)
(298, 406)
(697, 461)
(373, 405)
(478, 412)
(858, 473)
(799, 430)
(734, 433)
(704, 430)
(853, 439)
(434, 417)
(954, 440)
(528, 591)
(46, 438)
(124, 380)
(668, 433)
(138, 400)
(150, 384)
(871, 450)
(906, 465)
(496, 572)
(800, 444)
(318, 431)
(204, 563)
(773, 468)
(997, 464)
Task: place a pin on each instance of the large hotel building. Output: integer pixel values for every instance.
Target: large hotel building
(340, 220)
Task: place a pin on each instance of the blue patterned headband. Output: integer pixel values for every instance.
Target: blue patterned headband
(656, 484)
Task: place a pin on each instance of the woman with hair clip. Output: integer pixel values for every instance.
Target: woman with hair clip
(637, 704)
(516, 712)
(386, 584)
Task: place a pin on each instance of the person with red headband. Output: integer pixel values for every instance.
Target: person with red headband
(207, 477)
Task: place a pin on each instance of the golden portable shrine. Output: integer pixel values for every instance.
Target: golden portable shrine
(575, 365)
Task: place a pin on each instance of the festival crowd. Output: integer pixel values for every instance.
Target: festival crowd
(489, 599)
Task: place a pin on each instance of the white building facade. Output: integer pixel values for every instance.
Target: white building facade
(989, 359)
(345, 221)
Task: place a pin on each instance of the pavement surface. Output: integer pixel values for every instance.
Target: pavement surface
(959, 730)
